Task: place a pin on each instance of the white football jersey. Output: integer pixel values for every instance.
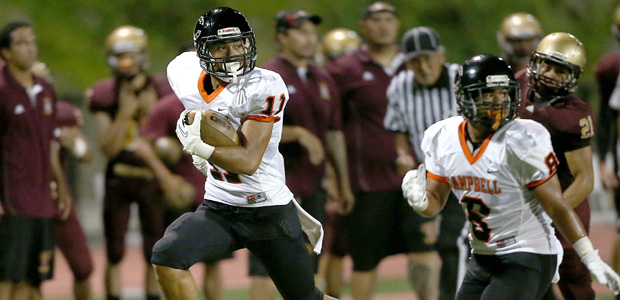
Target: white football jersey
(260, 95)
(493, 183)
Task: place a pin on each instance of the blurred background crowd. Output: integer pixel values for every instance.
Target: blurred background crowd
(71, 38)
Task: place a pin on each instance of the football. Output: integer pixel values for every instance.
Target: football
(215, 129)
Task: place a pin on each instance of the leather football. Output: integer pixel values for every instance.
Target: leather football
(215, 129)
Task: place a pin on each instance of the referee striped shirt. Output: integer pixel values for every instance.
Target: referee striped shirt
(413, 107)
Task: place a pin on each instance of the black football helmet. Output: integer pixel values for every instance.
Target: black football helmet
(220, 25)
(480, 74)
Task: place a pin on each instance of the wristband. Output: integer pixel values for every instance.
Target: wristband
(583, 246)
(204, 150)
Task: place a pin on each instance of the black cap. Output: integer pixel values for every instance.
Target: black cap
(377, 7)
(287, 19)
(421, 41)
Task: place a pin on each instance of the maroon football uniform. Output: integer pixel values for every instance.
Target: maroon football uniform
(128, 179)
(571, 123)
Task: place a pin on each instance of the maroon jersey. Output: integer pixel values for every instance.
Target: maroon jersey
(371, 149)
(104, 98)
(67, 114)
(571, 124)
(26, 132)
(606, 78)
(162, 121)
(313, 105)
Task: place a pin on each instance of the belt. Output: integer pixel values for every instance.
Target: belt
(124, 170)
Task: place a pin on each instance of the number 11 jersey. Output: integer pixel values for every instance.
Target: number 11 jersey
(260, 95)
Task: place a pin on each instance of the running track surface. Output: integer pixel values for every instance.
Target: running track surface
(234, 270)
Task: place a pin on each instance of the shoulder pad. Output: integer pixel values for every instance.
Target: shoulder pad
(523, 136)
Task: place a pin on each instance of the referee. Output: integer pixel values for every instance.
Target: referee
(418, 97)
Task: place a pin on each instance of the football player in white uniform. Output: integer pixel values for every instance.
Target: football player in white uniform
(247, 204)
(503, 172)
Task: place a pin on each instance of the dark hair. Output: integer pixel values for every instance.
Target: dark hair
(5, 33)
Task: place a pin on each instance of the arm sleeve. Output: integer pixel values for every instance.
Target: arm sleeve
(577, 131)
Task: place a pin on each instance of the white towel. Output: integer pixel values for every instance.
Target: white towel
(312, 228)
(614, 99)
(556, 275)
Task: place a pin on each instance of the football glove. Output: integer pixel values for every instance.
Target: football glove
(414, 188)
(189, 135)
(603, 273)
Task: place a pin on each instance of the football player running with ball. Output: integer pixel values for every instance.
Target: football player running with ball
(502, 171)
(247, 204)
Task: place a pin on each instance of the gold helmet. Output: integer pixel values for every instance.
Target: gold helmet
(127, 39)
(516, 27)
(615, 27)
(340, 41)
(566, 54)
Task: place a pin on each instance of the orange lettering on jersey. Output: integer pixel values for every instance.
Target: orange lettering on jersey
(462, 182)
(454, 183)
(483, 185)
(478, 184)
(470, 182)
(495, 189)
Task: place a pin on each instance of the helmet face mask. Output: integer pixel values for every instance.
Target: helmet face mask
(548, 87)
(555, 66)
(487, 93)
(218, 27)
